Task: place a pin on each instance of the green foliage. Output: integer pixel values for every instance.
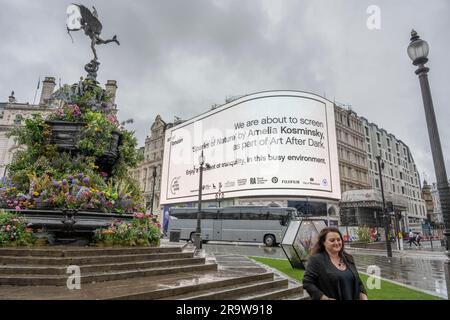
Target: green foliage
(37, 167)
(363, 233)
(143, 230)
(96, 135)
(13, 231)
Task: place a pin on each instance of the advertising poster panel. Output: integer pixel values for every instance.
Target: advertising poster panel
(275, 143)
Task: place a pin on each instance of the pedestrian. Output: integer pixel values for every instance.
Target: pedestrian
(418, 238)
(166, 222)
(411, 238)
(331, 273)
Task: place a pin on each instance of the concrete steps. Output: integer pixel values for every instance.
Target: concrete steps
(84, 260)
(48, 267)
(175, 272)
(199, 285)
(86, 251)
(97, 268)
(61, 280)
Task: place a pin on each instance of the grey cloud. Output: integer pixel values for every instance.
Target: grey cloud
(180, 57)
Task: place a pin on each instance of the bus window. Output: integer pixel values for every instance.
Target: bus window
(230, 213)
(252, 214)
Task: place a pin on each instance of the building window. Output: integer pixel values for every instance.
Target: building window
(18, 119)
(378, 137)
(377, 184)
(367, 131)
(403, 190)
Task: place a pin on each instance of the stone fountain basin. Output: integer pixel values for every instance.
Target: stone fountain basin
(71, 224)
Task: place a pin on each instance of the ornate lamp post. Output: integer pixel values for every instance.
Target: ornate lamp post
(386, 217)
(418, 52)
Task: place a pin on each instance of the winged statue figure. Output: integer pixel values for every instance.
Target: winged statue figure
(81, 18)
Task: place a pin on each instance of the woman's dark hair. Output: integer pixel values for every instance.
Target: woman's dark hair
(320, 244)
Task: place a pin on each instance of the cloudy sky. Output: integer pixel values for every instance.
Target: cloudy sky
(178, 57)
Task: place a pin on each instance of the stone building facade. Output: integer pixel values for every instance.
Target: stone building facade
(13, 113)
(400, 175)
(353, 167)
(148, 173)
(437, 218)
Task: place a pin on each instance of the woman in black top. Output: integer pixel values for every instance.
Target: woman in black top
(331, 272)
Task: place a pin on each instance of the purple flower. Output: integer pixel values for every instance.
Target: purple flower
(85, 180)
(70, 178)
(103, 174)
(64, 182)
(56, 184)
(80, 175)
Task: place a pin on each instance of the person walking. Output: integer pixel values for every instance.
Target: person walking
(418, 238)
(412, 238)
(331, 273)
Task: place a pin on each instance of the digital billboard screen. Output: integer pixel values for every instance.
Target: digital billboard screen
(275, 143)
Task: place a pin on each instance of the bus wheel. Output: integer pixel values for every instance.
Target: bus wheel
(269, 240)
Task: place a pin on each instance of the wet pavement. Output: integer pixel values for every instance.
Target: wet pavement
(419, 268)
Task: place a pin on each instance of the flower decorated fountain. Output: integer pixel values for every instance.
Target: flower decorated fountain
(68, 182)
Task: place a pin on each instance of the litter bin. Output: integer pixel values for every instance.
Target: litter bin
(174, 235)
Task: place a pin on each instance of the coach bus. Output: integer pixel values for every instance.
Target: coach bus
(236, 223)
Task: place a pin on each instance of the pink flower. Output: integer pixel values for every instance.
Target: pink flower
(8, 227)
(18, 208)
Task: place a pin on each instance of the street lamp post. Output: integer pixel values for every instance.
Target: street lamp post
(386, 218)
(198, 230)
(219, 196)
(153, 189)
(418, 52)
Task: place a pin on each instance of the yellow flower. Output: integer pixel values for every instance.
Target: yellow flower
(36, 194)
(92, 165)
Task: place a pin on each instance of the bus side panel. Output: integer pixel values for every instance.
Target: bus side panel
(185, 226)
(257, 229)
(207, 229)
(233, 230)
(217, 229)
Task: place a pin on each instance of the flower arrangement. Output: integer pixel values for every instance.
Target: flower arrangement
(69, 112)
(14, 231)
(142, 230)
(41, 176)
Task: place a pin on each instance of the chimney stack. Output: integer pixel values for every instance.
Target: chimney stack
(111, 88)
(47, 89)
